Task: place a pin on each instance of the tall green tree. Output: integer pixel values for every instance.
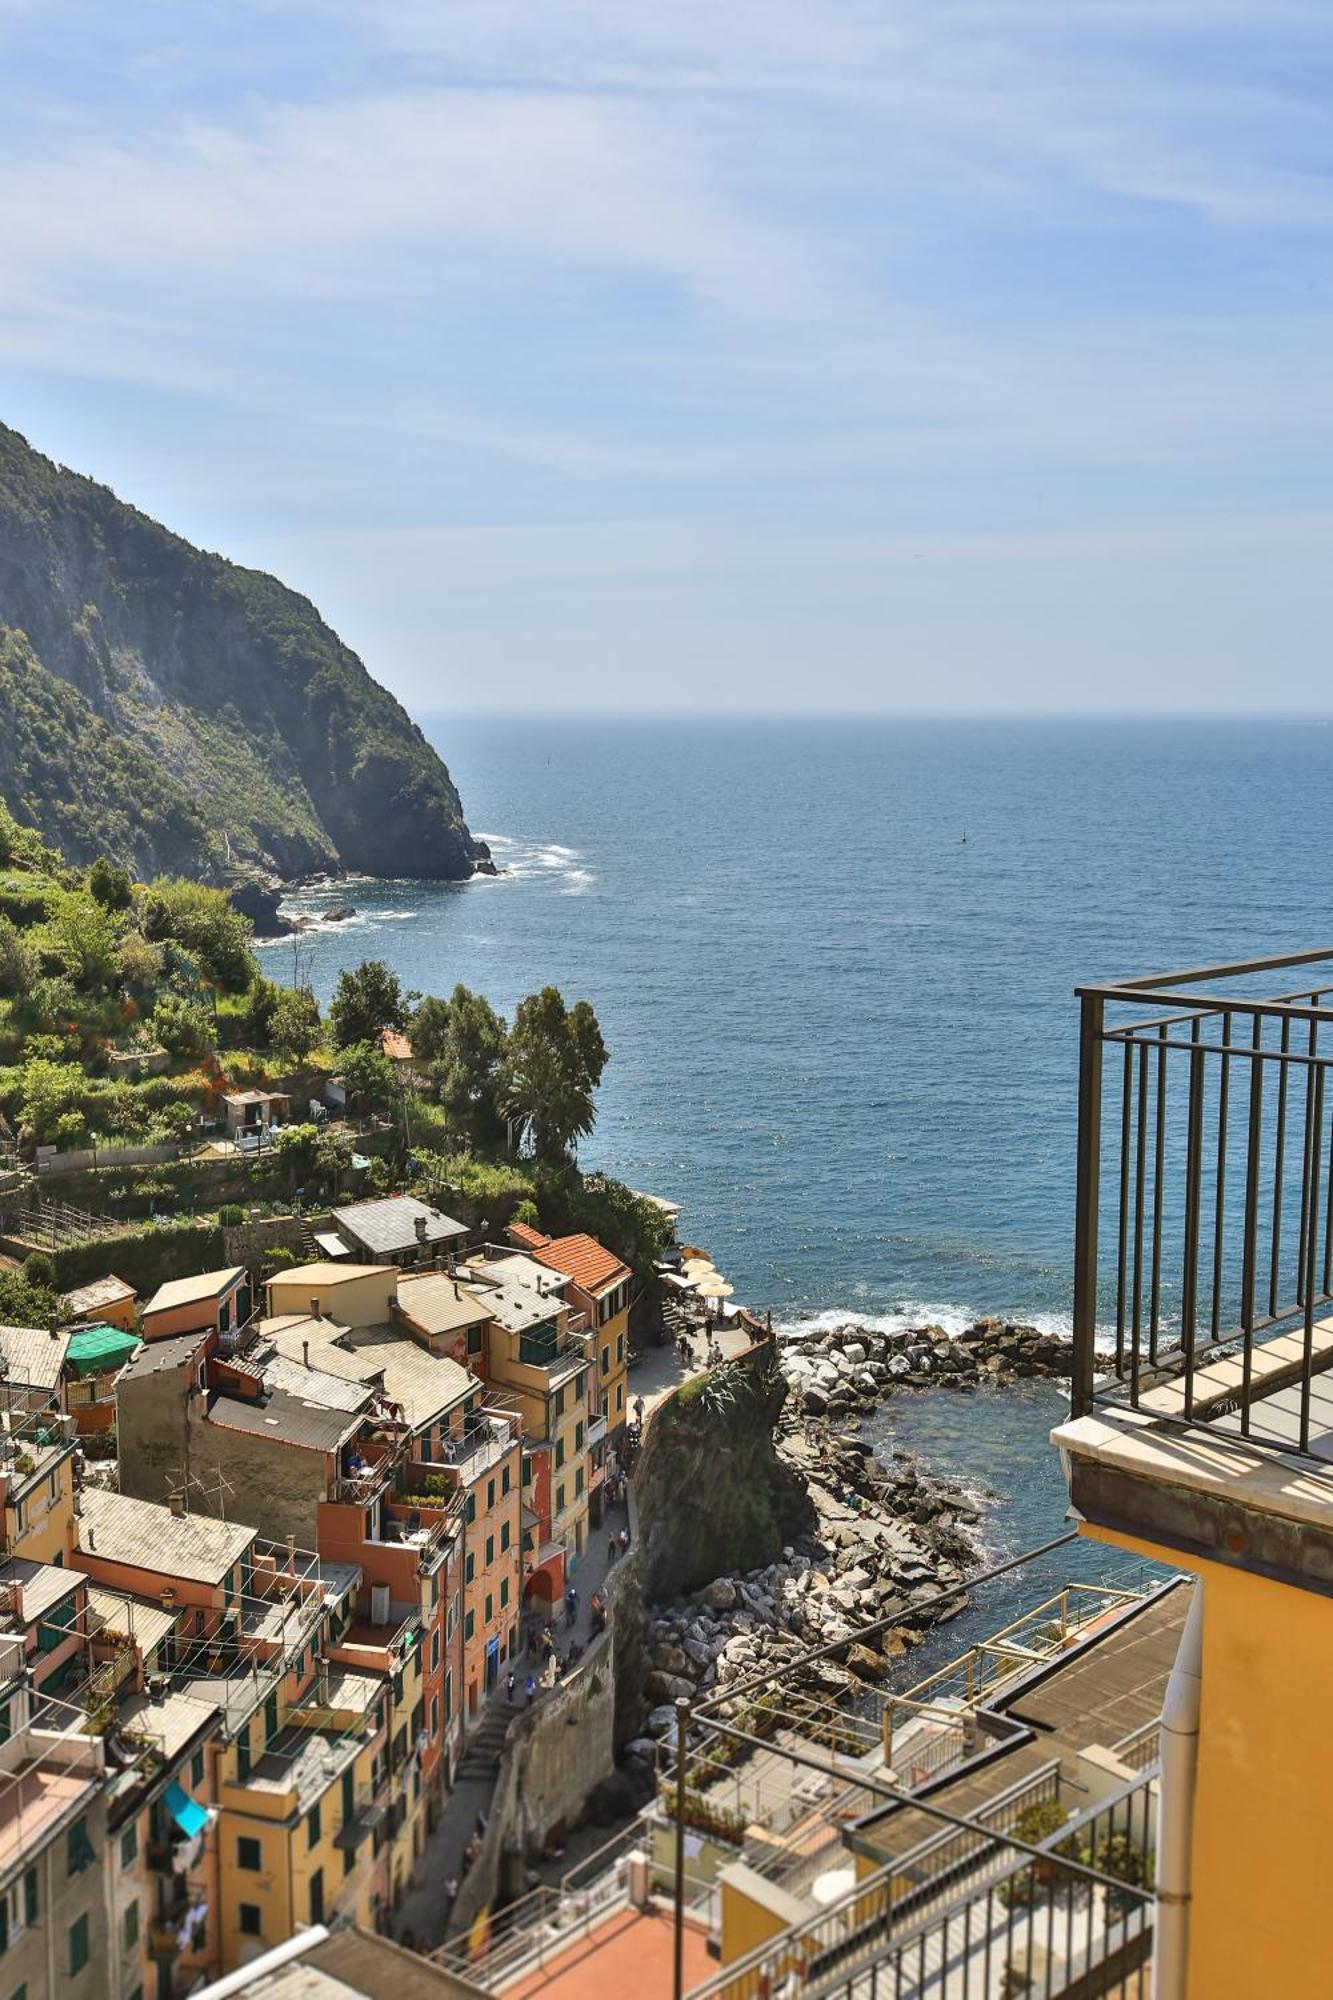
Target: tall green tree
(466, 1043)
(554, 1063)
(368, 999)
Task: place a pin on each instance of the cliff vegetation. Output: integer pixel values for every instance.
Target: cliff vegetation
(180, 713)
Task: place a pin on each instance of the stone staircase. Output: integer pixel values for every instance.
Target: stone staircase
(487, 1740)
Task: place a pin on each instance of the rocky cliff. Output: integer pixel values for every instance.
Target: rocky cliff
(713, 1496)
(177, 712)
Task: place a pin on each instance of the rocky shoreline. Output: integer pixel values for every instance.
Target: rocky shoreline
(840, 1370)
(891, 1533)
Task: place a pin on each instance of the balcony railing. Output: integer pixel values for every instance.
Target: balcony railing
(964, 1918)
(1204, 1210)
(477, 1448)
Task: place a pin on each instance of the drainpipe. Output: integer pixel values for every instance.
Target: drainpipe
(1175, 1809)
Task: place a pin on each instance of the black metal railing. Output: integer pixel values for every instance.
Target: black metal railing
(1204, 1202)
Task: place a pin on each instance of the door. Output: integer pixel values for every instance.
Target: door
(492, 1663)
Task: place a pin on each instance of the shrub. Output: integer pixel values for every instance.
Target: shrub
(231, 1215)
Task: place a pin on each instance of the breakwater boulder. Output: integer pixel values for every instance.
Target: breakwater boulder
(836, 1371)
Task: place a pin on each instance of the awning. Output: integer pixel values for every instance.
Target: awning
(188, 1814)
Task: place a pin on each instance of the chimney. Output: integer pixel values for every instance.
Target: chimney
(54, 1327)
(291, 1554)
(178, 1503)
(305, 1352)
(92, 1542)
(419, 1224)
(315, 1311)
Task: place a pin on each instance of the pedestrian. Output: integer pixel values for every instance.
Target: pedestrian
(530, 1689)
(638, 1409)
(451, 1890)
(624, 1539)
(509, 1690)
(611, 1548)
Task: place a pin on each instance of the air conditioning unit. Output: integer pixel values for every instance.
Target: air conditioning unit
(379, 1603)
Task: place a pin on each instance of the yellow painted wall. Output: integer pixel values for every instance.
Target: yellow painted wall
(360, 1301)
(613, 1379)
(1262, 1920)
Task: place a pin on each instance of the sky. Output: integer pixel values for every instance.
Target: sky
(689, 355)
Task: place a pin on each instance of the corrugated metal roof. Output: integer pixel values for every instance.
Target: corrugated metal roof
(85, 1300)
(438, 1303)
(199, 1290)
(312, 1385)
(33, 1356)
(389, 1226)
(144, 1536)
(425, 1384)
(287, 1418)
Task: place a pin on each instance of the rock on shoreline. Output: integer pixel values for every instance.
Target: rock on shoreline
(845, 1369)
(891, 1535)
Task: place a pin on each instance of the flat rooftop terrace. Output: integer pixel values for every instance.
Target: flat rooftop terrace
(628, 1953)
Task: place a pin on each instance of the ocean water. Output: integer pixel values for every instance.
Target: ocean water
(842, 1034)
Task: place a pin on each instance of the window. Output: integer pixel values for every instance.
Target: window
(490, 1495)
(448, 1694)
(469, 1624)
(349, 1795)
(560, 1498)
(620, 1396)
(471, 1513)
(129, 1927)
(435, 1649)
(317, 1897)
(560, 1402)
(129, 1846)
(312, 1833)
(79, 1849)
(620, 1347)
(434, 1716)
(249, 1914)
(505, 1534)
(490, 1550)
(78, 1945)
(559, 1452)
(469, 1569)
(504, 1479)
(32, 1902)
(197, 1769)
(490, 1607)
(578, 1481)
(504, 1591)
(606, 1361)
(249, 1854)
(578, 1435)
(474, 1340)
(527, 1472)
(425, 1448)
(243, 1754)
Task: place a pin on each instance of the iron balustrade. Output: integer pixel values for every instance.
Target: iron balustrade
(1204, 1196)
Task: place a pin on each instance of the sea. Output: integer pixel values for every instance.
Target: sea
(834, 962)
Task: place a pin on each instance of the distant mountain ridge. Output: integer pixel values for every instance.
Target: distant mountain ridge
(167, 708)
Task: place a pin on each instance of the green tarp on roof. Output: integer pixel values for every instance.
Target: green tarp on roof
(93, 1348)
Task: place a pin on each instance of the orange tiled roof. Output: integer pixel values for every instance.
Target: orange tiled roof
(396, 1046)
(526, 1238)
(589, 1263)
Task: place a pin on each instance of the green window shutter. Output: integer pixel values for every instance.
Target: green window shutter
(78, 1945)
(32, 1907)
